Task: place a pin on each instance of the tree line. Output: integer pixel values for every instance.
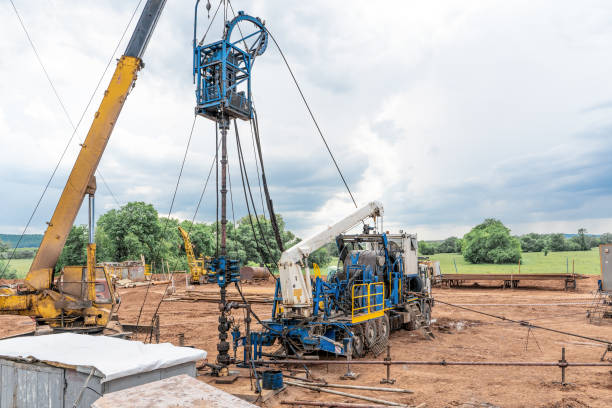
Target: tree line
(137, 229)
(491, 242)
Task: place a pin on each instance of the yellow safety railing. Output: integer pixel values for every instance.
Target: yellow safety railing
(373, 308)
(316, 270)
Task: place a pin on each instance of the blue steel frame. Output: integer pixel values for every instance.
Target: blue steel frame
(222, 70)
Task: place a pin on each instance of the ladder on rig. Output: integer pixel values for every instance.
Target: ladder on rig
(600, 308)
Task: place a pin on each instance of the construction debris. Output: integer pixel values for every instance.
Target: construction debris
(333, 404)
(361, 387)
(128, 283)
(344, 394)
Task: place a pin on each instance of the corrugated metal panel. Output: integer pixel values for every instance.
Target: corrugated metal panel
(30, 385)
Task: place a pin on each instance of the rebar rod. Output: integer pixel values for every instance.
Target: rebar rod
(345, 394)
(355, 387)
(525, 323)
(330, 404)
(441, 363)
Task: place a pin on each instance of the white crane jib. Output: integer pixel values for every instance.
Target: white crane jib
(296, 288)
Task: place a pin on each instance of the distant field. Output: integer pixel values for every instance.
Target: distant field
(22, 266)
(585, 262)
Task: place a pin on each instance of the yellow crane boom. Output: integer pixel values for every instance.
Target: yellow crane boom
(83, 296)
(197, 266)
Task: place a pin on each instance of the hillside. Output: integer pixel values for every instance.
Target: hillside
(28, 241)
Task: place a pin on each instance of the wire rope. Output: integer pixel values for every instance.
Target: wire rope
(316, 123)
(75, 127)
(156, 253)
(150, 335)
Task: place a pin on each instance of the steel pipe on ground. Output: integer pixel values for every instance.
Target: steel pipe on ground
(331, 404)
(441, 363)
(345, 394)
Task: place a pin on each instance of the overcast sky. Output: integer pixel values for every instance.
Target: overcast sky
(447, 112)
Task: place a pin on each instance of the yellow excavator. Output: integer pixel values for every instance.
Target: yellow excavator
(81, 298)
(198, 267)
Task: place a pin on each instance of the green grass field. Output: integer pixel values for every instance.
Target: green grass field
(585, 262)
(22, 266)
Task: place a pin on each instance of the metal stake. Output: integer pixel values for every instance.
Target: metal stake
(388, 380)
(563, 365)
(349, 375)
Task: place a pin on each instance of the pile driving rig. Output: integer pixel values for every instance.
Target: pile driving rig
(82, 297)
(379, 287)
(199, 271)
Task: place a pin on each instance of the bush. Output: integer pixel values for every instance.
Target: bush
(491, 242)
(427, 248)
(556, 242)
(9, 273)
(533, 242)
(451, 245)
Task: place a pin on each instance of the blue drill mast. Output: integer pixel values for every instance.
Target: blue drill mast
(222, 72)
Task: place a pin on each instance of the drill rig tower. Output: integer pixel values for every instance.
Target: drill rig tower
(222, 73)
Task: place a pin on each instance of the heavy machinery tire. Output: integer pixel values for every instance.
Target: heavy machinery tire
(370, 334)
(358, 342)
(411, 325)
(383, 326)
(416, 284)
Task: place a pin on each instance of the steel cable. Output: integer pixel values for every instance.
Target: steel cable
(312, 116)
(75, 127)
(168, 218)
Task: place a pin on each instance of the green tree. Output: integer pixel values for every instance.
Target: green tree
(451, 245)
(606, 238)
(572, 245)
(533, 242)
(582, 239)
(491, 242)
(556, 242)
(427, 248)
(9, 272)
(321, 257)
(75, 249)
(266, 243)
(202, 238)
(4, 247)
(133, 230)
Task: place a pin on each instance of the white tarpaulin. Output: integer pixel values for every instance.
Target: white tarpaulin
(112, 357)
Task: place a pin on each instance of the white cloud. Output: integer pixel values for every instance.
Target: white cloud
(448, 112)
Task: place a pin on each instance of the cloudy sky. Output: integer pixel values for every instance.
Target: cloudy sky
(448, 112)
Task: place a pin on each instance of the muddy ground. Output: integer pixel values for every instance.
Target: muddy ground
(461, 335)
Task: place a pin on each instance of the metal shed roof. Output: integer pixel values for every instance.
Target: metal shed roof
(111, 357)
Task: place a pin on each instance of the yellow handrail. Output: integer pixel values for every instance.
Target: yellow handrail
(372, 310)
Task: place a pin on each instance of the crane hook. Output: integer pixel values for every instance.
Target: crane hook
(208, 8)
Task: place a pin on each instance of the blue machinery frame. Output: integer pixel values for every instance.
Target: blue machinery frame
(222, 69)
(323, 332)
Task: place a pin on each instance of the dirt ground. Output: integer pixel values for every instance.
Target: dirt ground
(461, 335)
